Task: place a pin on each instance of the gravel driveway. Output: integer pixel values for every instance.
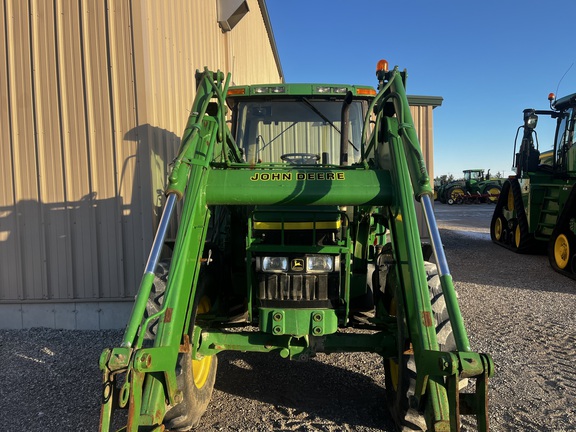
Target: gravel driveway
(515, 308)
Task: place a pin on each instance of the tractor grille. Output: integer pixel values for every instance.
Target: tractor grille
(295, 287)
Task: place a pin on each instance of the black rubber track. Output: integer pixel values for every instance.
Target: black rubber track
(507, 240)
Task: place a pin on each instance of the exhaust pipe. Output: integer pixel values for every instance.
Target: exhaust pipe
(345, 118)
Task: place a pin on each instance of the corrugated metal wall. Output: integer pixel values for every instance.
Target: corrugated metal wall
(424, 124)
(422, 114)
(94, 95)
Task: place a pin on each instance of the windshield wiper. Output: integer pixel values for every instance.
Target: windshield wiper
(326, 119)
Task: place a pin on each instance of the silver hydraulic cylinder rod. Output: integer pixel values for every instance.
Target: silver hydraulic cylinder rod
(156, 250)
(437, 248)
(146, 284)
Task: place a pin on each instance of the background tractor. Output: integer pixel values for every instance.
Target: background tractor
(474, 187)
(297, 222)
(536, 211)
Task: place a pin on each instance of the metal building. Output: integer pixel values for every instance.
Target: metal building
(94, 96)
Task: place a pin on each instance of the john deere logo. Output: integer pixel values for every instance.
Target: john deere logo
(297, 264)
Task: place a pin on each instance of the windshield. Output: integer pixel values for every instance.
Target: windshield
(564, 135)
(267, 130)
(473, 175)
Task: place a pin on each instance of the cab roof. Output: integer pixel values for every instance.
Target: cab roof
(565, 102)
(305, 89)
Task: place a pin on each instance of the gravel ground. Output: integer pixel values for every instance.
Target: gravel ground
(515, 308)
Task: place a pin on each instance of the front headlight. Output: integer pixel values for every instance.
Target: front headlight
(272, 264)
(319, 263)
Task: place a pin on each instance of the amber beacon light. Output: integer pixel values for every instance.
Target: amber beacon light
(382, 66)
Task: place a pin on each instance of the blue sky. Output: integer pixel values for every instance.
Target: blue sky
(489, 60)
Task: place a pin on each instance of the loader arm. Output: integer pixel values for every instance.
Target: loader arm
(146, 399)
(412, 185)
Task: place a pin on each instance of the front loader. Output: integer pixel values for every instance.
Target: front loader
(296, 222)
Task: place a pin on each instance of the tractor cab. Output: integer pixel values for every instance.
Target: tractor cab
(564, 149)
(562, 158)
(299, 124)
(473, 176)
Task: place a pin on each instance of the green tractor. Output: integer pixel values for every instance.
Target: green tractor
(297, 222)
(473, 188)
(536, 211)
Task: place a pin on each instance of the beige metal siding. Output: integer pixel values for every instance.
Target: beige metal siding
(94, 97)
(261, 57)
(423, 122)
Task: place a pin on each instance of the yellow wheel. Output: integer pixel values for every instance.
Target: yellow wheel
(561, 251)
(498, 229)
(201, 368)
(493, 193)
(510, 200)
(201, 371)
(455, 194)
(517, 236)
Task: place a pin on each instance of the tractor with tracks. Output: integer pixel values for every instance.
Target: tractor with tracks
(473, 188)
(536, 212)
(298, 221)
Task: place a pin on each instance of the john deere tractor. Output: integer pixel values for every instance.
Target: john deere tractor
(536, 211)
(296, 223)
(474, 187)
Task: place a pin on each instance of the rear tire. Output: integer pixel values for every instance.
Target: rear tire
(562, 242)
(560, 252)
(455, 195)
(400, 372)
(195, 378)
(493, 192)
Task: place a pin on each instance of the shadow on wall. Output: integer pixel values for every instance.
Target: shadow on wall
(92, 250)
(157, 148)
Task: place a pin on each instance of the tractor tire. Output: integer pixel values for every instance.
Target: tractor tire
(195, 378)
(493, 192)
(454, 195)
(400, 371)
(560, 251)
(562, 242)
(155, 301)
(442, 196)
